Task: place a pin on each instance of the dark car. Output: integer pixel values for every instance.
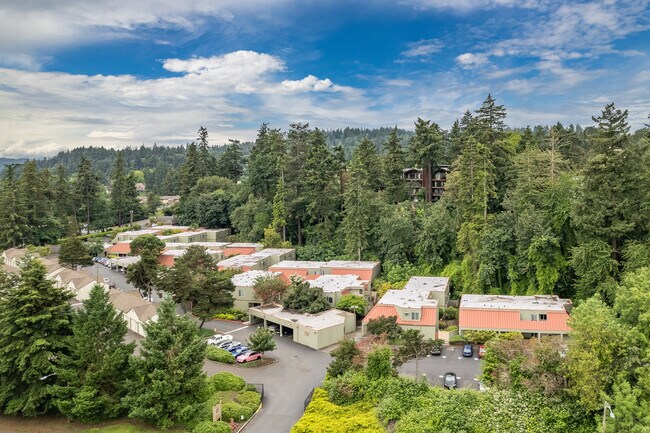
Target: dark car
(450, 381)
(436, 351)
(468, 351)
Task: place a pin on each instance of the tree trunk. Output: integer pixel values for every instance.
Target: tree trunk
(202, 323)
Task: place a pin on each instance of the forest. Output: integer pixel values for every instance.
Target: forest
(543, 210)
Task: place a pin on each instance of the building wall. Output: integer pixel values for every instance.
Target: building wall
(427, 331)
(243, 300)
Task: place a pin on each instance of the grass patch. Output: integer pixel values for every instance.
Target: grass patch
(124, 428)
(205, 332)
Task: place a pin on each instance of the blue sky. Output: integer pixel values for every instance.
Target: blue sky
(117, 73)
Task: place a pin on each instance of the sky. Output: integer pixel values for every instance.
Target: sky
(120, 73)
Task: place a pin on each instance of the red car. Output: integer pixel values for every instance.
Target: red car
(481, 351)
(248, 357)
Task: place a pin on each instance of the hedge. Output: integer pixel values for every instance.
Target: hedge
(250, 399)
(322, 416)
(236, 411)
(219, 355)
(224, 381)
(211, 427)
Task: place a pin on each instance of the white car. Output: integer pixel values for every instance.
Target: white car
(218, 339)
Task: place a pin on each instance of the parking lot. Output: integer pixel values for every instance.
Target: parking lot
(451, 360)
(286, 383)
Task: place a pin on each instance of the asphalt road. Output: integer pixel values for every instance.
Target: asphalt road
(115, 277)
(287, 383)
(467, 369)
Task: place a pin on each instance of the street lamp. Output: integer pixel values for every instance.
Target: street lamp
(607, 407)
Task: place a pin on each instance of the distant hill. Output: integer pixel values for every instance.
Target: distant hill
(6, 161)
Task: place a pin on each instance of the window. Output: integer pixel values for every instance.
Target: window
(533, 317)
(240, 292)
(415, 316)
(330, 299)
(543, 317)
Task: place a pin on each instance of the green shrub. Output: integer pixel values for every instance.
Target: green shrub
(230, 314)
(250, 387)
(250, 399)
(449, 313)
(219, 355)
(458, 339)
(442, 325)
(451, 328)
(479, 337)
(233, 410)
(348, 388)
(224, 381)
(211, 427)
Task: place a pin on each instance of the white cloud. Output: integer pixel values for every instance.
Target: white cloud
(20, 61)
(469, 60)
(308, 84)
(423, 48)
(469, 5)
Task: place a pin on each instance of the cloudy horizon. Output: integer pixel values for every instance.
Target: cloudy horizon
(109, 74)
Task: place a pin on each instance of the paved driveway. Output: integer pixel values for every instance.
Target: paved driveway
(116, 277)
(467, 369)
(286, 383)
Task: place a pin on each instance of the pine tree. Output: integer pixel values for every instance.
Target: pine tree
(615, 186)
(14, 222)
(490, 118)
(206, 162)
(455, 141)
(62, 206)
(297, 150)
(319, 182)
(118, 189)
(43, 228)
(426, 147)
(279, 209)
(393, 165)
(169, 388)
(358, 212)
(35, 320)
(189, 171)
(265, 162)
(86, 190)
(367, 151)
(231, 163)
(73, 251)
(92, 377)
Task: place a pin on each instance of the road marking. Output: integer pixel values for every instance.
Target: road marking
(458, 377)
(444, 356)
(475, 379)
(460, 357)
(235, 330)
(440, 376)
(475, 359)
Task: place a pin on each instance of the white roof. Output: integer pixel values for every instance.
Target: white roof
(245, 245)
(139, 232)
(298, 264)
(247, 279)
(182, 245)
(270, 252)
(238, 261)
(351, 264)
(323, 320)
(428, 284)
(126, 261)
(336, 283)
(407, 299)
(495, 302)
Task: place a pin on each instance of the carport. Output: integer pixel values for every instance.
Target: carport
(313, 330)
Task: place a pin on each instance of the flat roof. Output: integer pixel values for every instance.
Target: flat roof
(247, 279)
(242, 260)
(407, 299)
(502, 302)
(428, 284)
(323, 320)
(244, 245)
(182, 245)
(336, 283)
(139, 232)
(299, 264)
(351, 264)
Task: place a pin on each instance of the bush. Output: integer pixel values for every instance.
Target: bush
(211, 427)
(449, 313)
(219, 355)
(348, 388)
(233, 410)
(451, 328)
(458, 339)
(224, 381)
(442, 325)
(480, 337)
(230, 314)
(250, 399)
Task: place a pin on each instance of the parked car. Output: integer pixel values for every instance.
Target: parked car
(219, 338)
(223, 344)
(233, 347)
(248, 357)
(468, 351)
(436, 351)
(481, 351)
(450, 380)
(240, 350)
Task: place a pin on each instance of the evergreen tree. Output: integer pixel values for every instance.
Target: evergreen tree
(265, 162)
(358, 211)
(86, 191)
(144, 273)
(279, 222)
(612, 204)
(455, 141)
(62, 206)
(206, 162)
(35, 320)
(189, 173)
(74, 253)
(169, 385)
(393, 166)
(91, 379)
(368, 153)
(297, 150)
(319, 183)
(231, 163)
(14, 222)
(118, 190)
(426, 147)
(35, 185)
(303, 298)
